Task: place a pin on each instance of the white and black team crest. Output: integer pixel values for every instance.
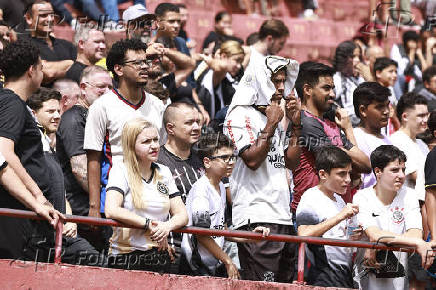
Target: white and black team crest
(397, 215)
(162, 188)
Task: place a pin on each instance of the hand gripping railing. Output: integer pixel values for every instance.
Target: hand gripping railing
(206, 232)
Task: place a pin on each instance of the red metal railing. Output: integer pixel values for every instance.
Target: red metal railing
(207, 232)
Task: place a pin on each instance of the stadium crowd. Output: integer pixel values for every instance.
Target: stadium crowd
(153, 134)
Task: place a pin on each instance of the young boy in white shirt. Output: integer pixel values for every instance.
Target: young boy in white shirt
(323, 213)
(389, 213)
(206, 204)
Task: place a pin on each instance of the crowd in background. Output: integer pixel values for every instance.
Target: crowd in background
(154, 134)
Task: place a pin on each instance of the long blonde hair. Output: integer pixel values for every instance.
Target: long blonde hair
(131, 130)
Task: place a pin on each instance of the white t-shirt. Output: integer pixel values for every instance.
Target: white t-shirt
(344, 89)
(3, 162)
(256, 58)
(261, 195)
(157, 194)
(398, 217)
(206, 208)
(314, 208)
(368, 143)
(416, 153)
(107, 116)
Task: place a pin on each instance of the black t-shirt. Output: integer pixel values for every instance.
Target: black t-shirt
(18, 125)
(430, 169)
(75, 71)
(62, 49)
(69, 143)
(185, 172)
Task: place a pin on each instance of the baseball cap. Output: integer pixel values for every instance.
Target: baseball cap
(136, 11)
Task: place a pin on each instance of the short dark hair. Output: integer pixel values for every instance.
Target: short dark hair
(220, 15)
(252, 38)
(165, 7)
(181, 5)
(410, 35)
(385, 154)
(29, 6)
(367, 93)
(37, 99)
(118, 51)
(429, 73)
(408, 101)
(309, 73)
(211, 142)
(330, 157)
(274, 27)
(17, 57)
(383, 62)
(431, 123)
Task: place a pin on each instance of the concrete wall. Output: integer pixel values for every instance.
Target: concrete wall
(20, 275)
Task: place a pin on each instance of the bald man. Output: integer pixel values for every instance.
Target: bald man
(182, 123)
(70, 92)
(371, 54)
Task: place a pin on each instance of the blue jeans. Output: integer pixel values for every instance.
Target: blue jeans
(111, 7)
(89, 8)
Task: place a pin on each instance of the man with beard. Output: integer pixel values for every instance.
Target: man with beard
(128, 62)
(139, 22)
(315, 88)
(91, 47)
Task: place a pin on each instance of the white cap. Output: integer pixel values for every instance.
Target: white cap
(137, 11)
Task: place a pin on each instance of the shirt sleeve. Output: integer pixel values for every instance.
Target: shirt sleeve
(313, 136)
(12, 118)
(306, 214)
(118, 179)
(239, 128)
(71, 131)
(430, 169)
(173, 190)
(95, 129)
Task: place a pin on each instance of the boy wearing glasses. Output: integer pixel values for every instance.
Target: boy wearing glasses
(206, 204)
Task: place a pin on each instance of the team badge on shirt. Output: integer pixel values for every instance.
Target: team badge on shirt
(162, 188)
(397, 215)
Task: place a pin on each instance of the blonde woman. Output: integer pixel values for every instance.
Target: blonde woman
(142, 193)
(222, 75)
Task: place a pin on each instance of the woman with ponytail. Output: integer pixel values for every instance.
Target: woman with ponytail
(142, 193)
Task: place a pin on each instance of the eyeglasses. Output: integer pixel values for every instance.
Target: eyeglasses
(139, 62)
(149, 61)
(225, 158)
